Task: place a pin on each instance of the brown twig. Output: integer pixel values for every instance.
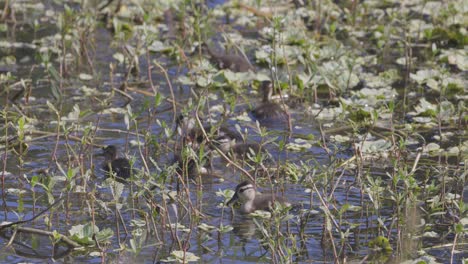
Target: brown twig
(64, 238)
(255, 11)
(33, 218)
(174, 108)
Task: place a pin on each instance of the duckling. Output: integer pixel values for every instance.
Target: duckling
(189, 166)
(251, 200)
(232, 62)
(269, 110)
(118, 168)
(187, 128)
(241, 149)
(184, 126)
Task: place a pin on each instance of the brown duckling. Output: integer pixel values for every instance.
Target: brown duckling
(117, 168)
(187, 128)
(232, 62)
(269, 110)
(251, 200)
(239, 149)
(189, 166)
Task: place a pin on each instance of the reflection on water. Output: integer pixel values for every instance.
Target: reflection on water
(244, 228)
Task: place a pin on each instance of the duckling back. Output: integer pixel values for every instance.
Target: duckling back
(119, 168)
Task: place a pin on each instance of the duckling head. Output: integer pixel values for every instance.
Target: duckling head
(225, 143)
(245, 191)
(266, 88)
(109, 152)
(184, 124)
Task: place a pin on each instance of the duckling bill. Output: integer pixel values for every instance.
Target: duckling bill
(251, 200)
(118, 168)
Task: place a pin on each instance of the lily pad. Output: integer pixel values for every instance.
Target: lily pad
(299, 145)
(431, 147)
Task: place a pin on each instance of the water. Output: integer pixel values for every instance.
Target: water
(141, 216)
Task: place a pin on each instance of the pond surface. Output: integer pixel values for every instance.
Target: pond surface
(375, 149)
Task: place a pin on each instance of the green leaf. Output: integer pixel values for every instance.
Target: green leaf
(104, 235)
(380, 243)
(83, 234)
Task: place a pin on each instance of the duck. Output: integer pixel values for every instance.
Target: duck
(251, 200)
(230, 145)
(117, 168)
(232, 62)
(189, 165)
(189, 130)
(269, 110)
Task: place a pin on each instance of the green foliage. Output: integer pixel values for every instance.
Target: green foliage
(83, 234)
(379, 127)
(380, 243)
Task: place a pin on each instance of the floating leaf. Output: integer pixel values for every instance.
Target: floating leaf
(432, 147)
(261, 214)
(203, 81)
(158, 46)
(422, 76)
(225, 229)
(298, 145)
(83, 234)
(85, 77)
(425, 108)
(104, 235)
(375, 146)
(119, 57)
(185, 80)
(457, 58)
(431, 234)
(207, 228)
(73, 115)
(340, 138)
(181, 257)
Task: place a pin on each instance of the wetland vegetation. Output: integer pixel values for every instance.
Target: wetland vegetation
(127, 125)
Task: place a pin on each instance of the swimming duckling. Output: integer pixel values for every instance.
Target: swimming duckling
(232, 62)
(269, 110)
(184, 126)
(188, 166)
(251, 200)
(241, 149)
(118, 168)
(187, 127)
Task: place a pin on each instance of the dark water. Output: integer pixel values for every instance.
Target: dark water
(242, 245)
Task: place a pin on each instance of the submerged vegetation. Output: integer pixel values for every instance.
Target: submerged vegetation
(363, 130)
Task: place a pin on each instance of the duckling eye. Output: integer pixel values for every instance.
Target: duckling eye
(241, 190)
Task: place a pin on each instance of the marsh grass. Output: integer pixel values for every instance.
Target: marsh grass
(373, 159)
